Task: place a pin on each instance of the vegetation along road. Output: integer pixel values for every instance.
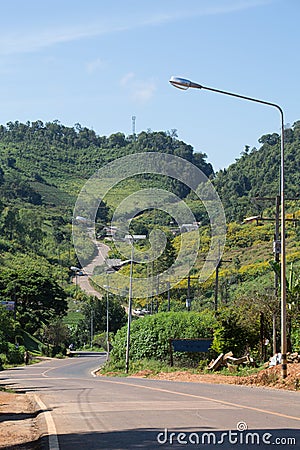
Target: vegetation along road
(91, 412)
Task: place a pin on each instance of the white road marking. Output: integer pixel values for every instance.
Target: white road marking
(52, 433)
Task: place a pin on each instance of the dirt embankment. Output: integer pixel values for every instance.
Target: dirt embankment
(270, 377)
(19, 427)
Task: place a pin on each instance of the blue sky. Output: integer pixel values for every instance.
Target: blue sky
(101, 62)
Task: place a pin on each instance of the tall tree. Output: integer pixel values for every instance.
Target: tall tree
(38, 297)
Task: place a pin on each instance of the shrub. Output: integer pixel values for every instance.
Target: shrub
(3, 360)
(234, 334)
(150, 335)
(15, 355)
(295, 336)
(99, 340)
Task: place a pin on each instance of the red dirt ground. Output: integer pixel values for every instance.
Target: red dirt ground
(270, 377)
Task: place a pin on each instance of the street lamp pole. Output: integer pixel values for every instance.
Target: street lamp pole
(130, 238)
(107, 317)
(184, 84)
(107, 287)
(76, 270)
(92, 325)
(129, 310)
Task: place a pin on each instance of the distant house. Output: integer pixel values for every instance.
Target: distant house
(113, 262)
(186, 227)
(110, 231)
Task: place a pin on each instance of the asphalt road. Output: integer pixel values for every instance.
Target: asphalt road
(86, 412)
(83, 281)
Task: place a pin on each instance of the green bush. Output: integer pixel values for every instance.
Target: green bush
(295, 339)
(15, 355)
(31, 343)
(58, 351)
(3, 360)
(232, 334)
(3, 344)
(150, 335)
(99, 341)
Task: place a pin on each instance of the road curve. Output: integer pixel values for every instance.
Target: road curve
(83, 281)
(130, 413)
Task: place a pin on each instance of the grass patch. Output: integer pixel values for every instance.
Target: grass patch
(10, 391)
(240, 371)
(146, 366)
(150, 367)
(73, 318)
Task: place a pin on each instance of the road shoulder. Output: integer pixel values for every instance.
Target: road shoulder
(20, 422)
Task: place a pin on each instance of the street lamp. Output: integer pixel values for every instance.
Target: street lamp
(107, 287)
(107, 322)
(92, 323)
(131, 239)
(184, 84)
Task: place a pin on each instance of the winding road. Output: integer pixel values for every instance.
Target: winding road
(82, 411)
(84, 281)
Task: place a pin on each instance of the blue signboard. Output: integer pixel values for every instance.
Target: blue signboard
(8, 305)
(191, 345)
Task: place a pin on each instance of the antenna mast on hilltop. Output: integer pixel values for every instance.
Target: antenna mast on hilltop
(133, 126)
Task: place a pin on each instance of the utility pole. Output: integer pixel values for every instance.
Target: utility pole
(129, 310)
(169, 297)
(217, 282)
(219, 262)
(152, 285)
(133, 118)
(92, 326)
(217, 286)
(188, 300)
(276, 259)
(131, 239)
(276, 251)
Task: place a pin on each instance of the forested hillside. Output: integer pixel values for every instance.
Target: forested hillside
(257, 172)
(44, 166)
(48, 161)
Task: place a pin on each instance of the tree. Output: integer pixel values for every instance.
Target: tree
(270, 139)
(38, 297)
(1, 176)
(293, 302)
(94, 309)
(168, 256)
(232, 334)
(103, 213)
(56, 333)
(7, 329)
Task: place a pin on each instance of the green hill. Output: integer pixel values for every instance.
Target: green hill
(43, 168)
(257, 172)
(49, 163)
(41, 157)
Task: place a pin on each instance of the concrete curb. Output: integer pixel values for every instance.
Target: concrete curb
(93, 373)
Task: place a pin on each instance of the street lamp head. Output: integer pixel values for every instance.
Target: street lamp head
(180, 83)
(184, 84)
